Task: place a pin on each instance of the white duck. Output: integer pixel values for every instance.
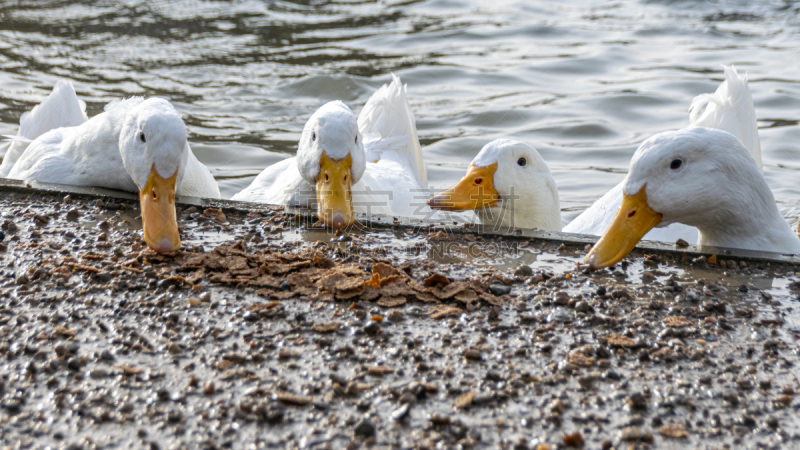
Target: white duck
(700, 177)
(730, 108)
(526, 196)
(508, 184)
(135, 145)
(346, 166)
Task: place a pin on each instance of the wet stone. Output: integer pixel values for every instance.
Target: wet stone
(772, 422)
(395, 315)
(73, 214)
(174, 416)
(601, 290)
(11, 404)
(473, 355)
(586, 382)
(714, 307)
(561, 298)
(574, 439)
(637, 402)
(673, 431)
(364, 428)
(560, 314)
(621, 294)
(635, 434)
(611, 375)
(500, 289)
(103, 277)
(582, 307)
(372, 327)
(74, 364)
(523, 271)
(401, 412)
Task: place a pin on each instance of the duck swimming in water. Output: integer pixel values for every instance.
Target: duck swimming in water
(509, 184)
(701, 177)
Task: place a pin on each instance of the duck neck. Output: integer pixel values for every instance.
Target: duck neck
(752, 222)
(531, 207)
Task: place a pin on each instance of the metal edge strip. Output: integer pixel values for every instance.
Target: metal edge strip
(383, 222)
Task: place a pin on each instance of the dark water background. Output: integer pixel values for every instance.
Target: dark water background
(584, 82)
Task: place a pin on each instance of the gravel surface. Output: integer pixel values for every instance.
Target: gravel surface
(266, 333)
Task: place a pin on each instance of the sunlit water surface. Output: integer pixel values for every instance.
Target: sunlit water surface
(584, 82)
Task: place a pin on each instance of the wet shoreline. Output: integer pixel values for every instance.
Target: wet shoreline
(266, 333)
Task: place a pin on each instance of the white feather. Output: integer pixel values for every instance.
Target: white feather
(729, 109)
(17, 139)
(387, 123)
(61, 108)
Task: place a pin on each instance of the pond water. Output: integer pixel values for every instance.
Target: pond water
(584, 82)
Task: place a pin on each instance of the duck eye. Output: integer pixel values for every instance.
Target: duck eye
(141, 137)
(522, 162)
(478, 180)
(356, 139)
(676, 164)
(313, 136)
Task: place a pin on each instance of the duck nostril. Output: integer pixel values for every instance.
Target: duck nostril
(153, 193)
(326, 177)
(631, 214)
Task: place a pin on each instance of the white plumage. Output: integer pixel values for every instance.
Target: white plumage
(716, 187)
(388, 169)
(527, 196)
(61, 108)
(56, 143)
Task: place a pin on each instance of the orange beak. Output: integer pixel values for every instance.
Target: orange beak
(333, 192)
(160, 224)
(634, 219)
(474, 191)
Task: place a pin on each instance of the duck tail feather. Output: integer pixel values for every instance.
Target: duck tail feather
(61, 108)
(9, 137)
(730, 109)
(387, 117)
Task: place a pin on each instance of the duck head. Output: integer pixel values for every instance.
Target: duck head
(154, 149)
(507, 184)
(700, 177)
(330, 156)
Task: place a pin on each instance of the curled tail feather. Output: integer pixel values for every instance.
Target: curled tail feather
(730, 109)
(387, 123)
(61, 108)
